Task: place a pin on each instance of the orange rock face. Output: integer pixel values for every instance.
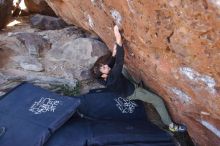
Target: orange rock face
(172, 45)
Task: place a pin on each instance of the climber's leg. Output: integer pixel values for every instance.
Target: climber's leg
(155, 100)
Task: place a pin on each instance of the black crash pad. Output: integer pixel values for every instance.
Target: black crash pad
(30, 115)
(107, 119)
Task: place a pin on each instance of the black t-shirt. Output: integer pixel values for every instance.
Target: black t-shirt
(115, 81)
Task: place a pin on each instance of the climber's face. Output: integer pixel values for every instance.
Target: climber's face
(105, 69)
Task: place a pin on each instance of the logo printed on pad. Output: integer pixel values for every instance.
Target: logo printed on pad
(44, 105)
(125, 105)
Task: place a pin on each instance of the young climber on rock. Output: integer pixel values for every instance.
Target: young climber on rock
(108, 69)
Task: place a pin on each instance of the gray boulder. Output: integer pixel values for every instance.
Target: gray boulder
(76, 56)
(33, 42)
(47, 22)
(31, 64)
(50, 58)
(78, 51)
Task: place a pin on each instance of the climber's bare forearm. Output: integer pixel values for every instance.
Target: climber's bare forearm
(117, 35)
(114, 51)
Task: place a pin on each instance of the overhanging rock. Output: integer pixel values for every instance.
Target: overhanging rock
(172, 45)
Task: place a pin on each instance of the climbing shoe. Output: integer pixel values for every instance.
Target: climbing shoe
(177, 128)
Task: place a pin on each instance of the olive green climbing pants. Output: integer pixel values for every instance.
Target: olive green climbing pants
(149, 97)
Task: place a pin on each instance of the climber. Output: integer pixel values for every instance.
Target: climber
(109, 71)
